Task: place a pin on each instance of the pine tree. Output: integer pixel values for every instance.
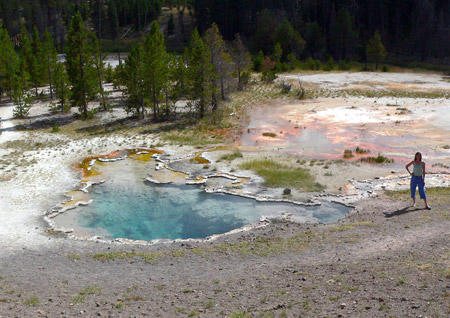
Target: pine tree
(155, 67)
(289, 39)
(99, 64)
(22, 99)
(38, 74)
(132, 77)
(48, 59)
(28, 60)
(315, 42)
(9, 63)
(61, 88)
(79, 65)
(277, 53)
(221, 60)
(199, 75)
(375, 49)
(170, 89)
(344, 37)
(241, 58)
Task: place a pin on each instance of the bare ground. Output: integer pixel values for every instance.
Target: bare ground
(382, 260)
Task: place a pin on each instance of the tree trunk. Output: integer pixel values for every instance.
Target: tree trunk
(100, 85)
(154, 105)
(222, 89)
(50, 77)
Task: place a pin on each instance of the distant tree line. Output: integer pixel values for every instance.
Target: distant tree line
(152, 80)
(339, 28)
(318, 28)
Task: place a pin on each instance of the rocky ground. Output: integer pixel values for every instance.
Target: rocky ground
(384, 260)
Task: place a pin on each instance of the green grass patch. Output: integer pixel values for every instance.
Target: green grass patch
(231, 156)
(32, 301)
(437, 195)
(378, 160)
(91, 290)
(119, 305)
(78, 299)
(277, 175)
(209, 303)
(147, 257)
(345, 227)
(74, 256)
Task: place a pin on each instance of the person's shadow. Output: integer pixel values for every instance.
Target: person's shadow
(401, 212)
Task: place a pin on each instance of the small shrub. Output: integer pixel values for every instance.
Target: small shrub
(385, 69)
(55, 128)
(344, 66)
(329, 65)
(379, 159)
(269, 134)
(232, 156)
(348, 154)
(245, 78)
(361, 151)
(446, 147)
(367, 68)
(285, 87)
(209, 304)
(119, 305)
(310, 64)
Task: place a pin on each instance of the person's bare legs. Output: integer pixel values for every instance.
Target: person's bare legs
(426, 204)
(414, 202)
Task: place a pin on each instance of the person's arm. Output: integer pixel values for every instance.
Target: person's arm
(407, 167)
(423, 176)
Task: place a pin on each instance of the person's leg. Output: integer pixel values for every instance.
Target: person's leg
(422, 192)
(413, 189)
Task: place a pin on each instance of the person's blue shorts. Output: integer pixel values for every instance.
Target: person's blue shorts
(417, 182)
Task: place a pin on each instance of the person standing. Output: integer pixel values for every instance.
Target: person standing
(418, 179)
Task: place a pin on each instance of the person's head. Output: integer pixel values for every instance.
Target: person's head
(418, 157)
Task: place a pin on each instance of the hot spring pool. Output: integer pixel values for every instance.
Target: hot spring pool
(127, 206)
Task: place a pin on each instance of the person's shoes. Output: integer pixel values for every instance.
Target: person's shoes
(413, 205)
(428, 207)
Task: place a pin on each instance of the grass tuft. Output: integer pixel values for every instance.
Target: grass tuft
(91, 290)
(231, 156)
(379, 159)
(78, 299)
(32, 301)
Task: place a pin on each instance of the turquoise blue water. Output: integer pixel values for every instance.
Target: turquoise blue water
(149, 211)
